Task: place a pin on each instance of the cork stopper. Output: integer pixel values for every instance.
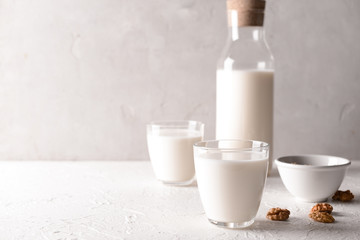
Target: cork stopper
(245, 12)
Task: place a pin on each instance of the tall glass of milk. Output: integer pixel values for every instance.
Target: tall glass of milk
(231, 177)
(245, 77)
(170, 145)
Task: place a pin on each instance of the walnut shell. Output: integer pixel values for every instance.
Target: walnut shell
(343, 196)
(278, 214)
(322, 207)
(323, 217)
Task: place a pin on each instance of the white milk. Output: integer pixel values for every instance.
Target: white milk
(171, 154)
(231, 190)
(244, 106)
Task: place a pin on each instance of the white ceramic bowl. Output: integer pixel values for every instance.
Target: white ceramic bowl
(312, 178)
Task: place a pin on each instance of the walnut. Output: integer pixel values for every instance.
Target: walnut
(323, 217)
(343, 196)
(278, 214)
(322, 207)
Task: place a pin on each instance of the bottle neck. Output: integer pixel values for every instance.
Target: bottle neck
(252, 33)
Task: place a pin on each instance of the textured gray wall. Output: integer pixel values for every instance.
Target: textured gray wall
(79, 79)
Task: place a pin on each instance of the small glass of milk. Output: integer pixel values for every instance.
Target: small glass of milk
(170, 145)
(231, 176)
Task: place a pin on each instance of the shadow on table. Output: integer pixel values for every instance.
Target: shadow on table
(306, 226)
(193, 184)
(274, 173)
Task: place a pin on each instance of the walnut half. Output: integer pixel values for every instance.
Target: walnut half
(343, 196)
(278, 214)
(323, 217)
(322, 207)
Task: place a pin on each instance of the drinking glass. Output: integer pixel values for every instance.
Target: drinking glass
(231, 176)
(170, 145)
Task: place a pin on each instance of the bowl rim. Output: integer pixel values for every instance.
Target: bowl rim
(279, 162)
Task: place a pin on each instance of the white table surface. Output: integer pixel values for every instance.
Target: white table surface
(122, 200)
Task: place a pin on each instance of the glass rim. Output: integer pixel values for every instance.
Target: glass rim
(198, 145)
(173, 123)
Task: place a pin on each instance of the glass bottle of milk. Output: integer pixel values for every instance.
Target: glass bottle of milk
(244, 82)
